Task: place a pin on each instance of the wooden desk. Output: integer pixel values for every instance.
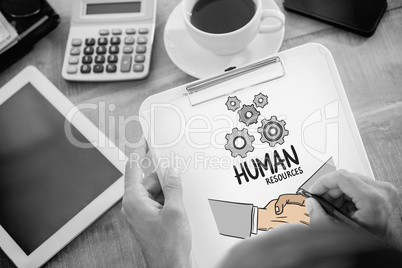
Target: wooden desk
(371, 70)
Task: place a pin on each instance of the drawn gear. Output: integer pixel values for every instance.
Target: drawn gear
(239, 142)
(233, 103)
(273, 131)
(260, 100)
(248, 114)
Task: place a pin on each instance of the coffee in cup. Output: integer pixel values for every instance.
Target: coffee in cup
(227, 26)
(224, 16)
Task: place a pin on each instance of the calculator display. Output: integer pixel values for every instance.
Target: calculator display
(113, 8)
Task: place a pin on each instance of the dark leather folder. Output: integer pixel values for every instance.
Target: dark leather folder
(30, 30)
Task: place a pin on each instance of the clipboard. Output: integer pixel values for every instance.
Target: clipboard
(243, 138)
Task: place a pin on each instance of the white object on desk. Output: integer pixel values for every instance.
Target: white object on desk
(197, 126)
(51, 187)
(110, 41)
(201, 63)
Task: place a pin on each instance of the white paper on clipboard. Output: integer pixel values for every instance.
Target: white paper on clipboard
(306, 121)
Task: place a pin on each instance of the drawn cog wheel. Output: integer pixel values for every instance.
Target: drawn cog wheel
(260, 100)
(239, 142)
(273, 131)
(233, 103)
(248, 114)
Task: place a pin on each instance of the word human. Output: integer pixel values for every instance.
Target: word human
(259, 168)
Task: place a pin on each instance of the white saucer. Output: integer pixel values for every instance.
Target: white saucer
(200, 63)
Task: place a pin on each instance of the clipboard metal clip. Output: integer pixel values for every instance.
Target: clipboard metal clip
(237, 79)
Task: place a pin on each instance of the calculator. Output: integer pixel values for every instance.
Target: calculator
(109, 40)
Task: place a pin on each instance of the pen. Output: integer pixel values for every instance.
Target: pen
(328, 207)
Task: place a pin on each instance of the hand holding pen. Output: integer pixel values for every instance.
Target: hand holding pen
(372, 204)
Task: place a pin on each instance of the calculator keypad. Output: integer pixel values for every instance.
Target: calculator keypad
(75, 51)
(100, 59)
(111, 68)
(113, 50)
(103, 32)
(76, 42)
(72, 69)
(102, 41)
(73, 60)
(85, 69)
(125, 65)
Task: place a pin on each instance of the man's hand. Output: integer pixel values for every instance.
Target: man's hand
(157, 216)
(291, 213)
(374, 204)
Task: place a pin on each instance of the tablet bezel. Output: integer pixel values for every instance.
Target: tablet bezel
(94, 209)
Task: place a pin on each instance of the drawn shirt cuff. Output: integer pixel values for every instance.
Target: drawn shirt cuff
(254, 220)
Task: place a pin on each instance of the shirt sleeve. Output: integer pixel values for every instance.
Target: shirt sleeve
(233, 219)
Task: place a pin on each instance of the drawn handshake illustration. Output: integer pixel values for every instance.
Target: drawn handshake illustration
(241, 220)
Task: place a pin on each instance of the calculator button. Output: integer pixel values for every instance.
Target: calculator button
(129, 40)
(130, 31)
(141, 49)
(104, 32)
(102, 41)
(98, 68)
(100, 59)
(101, 50)
(87, 59)
(116, 31)
(128, 49)
(90, 41)
(142, 40)
(111, 68)
(73, 60)
(138, 67)
(85, 69)
(88, 50)
(115, 41)
(143, 30)
(112, 59)
(139, 58)
(76, 42)
(72, 69)
(125, 63)
(114, 50)
(75, 51)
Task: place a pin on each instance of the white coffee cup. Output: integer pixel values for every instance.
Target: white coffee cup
(235, 41)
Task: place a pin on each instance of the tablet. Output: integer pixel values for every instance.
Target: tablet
(56, 174)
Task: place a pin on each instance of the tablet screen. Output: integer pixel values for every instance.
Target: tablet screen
(45, 180)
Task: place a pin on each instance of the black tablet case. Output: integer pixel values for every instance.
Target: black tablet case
(26, 43)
